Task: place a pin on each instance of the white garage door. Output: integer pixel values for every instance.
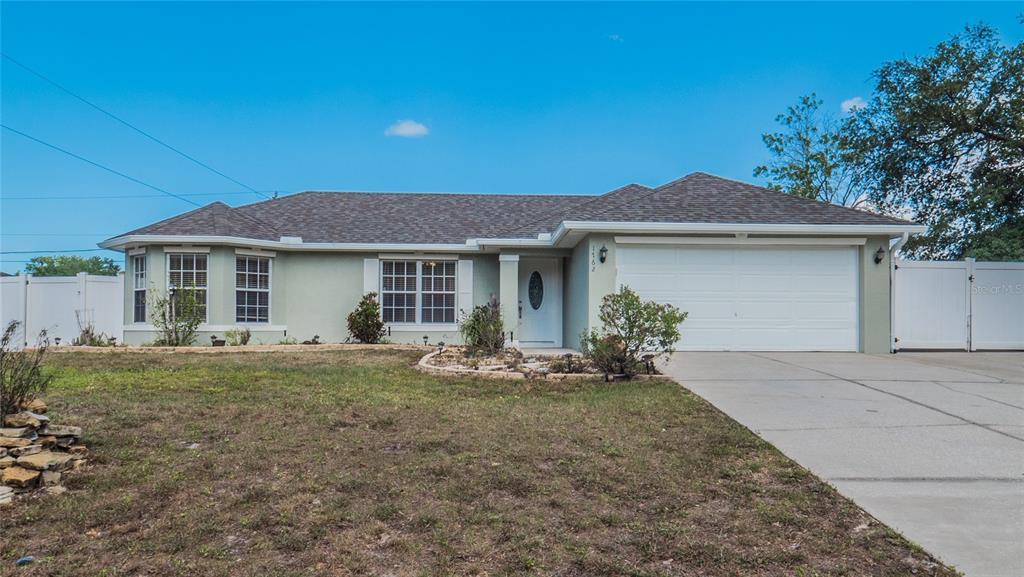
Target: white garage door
(751, 298)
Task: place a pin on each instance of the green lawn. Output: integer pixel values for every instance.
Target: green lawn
(353, 463)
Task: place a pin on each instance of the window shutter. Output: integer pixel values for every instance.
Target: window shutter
(371, 275)
(464, 279)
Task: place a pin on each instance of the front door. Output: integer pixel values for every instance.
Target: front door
(540, 302)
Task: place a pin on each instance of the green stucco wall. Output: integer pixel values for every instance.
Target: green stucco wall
(575, 298)
(875, 328)
(312, 293)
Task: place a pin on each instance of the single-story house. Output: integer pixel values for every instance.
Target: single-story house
(756, 269)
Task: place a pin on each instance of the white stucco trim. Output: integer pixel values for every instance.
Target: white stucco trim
(137, 251)
(733, 228)
(407, 256)
(508, 258)
(746, 241)
(251, 252)
(186, 248)
(544, 240)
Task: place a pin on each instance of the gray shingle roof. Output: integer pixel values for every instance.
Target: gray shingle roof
(362, 217)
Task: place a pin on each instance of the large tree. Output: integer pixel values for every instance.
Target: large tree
(942, 142)
(65, 265)
(808, 159)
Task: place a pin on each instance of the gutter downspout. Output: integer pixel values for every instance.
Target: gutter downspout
(892, 288)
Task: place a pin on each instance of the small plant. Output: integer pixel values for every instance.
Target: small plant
(88, 337)
(566, 364)
(481, 329)
(632, 331)
(238, 337)
(288, 341)
(364, 323)
(176, 315)
(21, 375)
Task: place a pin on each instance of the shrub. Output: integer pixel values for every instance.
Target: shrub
(87, 335)
(364, 323)
(631, 329)
(21, 375)
(176, 316)
(238, 337)
(481, 329)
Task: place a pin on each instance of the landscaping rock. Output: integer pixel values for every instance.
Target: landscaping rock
(3, 452)
(20, 477)
(14, 441)
(61, 431)
(47, 441)
(27, 450)
(6, 494)
(26, 419)
(64, 442)
(36, 406)
(7, 462)
(16, 432)
(50, 478)
(45, 461)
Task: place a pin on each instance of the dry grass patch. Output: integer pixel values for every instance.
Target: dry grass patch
(353, 463)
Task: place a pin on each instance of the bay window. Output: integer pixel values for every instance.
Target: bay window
(189, 271)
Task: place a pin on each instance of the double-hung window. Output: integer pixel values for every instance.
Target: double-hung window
(398, 291)
(418, 291)
(437, 281)
(188, 271)
(139, 288)
(252, 289)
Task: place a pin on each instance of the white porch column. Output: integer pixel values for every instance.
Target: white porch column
(508, 293)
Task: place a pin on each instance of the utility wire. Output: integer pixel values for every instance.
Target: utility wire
(98, 165)
(133, 127)
(51, 251)
(5, 198)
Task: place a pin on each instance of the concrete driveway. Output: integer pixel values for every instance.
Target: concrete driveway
(932, 444)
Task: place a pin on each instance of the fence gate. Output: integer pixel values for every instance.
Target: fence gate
(963, 305)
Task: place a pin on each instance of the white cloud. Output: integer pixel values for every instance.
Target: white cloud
(407, 129)
(615, 38)
(851, 104)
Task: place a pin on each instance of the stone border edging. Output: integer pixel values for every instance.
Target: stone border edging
(425, 366)
(207, 350)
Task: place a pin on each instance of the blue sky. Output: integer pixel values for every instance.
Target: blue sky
(513, 98)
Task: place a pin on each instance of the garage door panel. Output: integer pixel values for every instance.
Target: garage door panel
(765, 298)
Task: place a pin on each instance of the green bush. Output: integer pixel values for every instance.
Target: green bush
(238, 337)
(176, 315)
(632, 328)
(21, 370)
(364, 323)
(482, 329)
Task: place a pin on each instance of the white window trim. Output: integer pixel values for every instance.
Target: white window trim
(269, 291)
(419, 324)
(187, 249)
(135, 288)
(167, 269)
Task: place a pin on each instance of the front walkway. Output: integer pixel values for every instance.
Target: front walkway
(932, 444)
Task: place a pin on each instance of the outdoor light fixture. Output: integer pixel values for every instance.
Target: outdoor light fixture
(879, 255)
(602, 255)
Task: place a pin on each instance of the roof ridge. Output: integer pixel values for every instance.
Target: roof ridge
(803, 199)
(171, 218)
(593, 199)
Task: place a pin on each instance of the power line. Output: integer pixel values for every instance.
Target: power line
(133, 127)
(98, 165)
(50, 251)
(5, 198)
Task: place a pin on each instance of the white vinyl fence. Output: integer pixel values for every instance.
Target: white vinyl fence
(62, 305)
(964, 305)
